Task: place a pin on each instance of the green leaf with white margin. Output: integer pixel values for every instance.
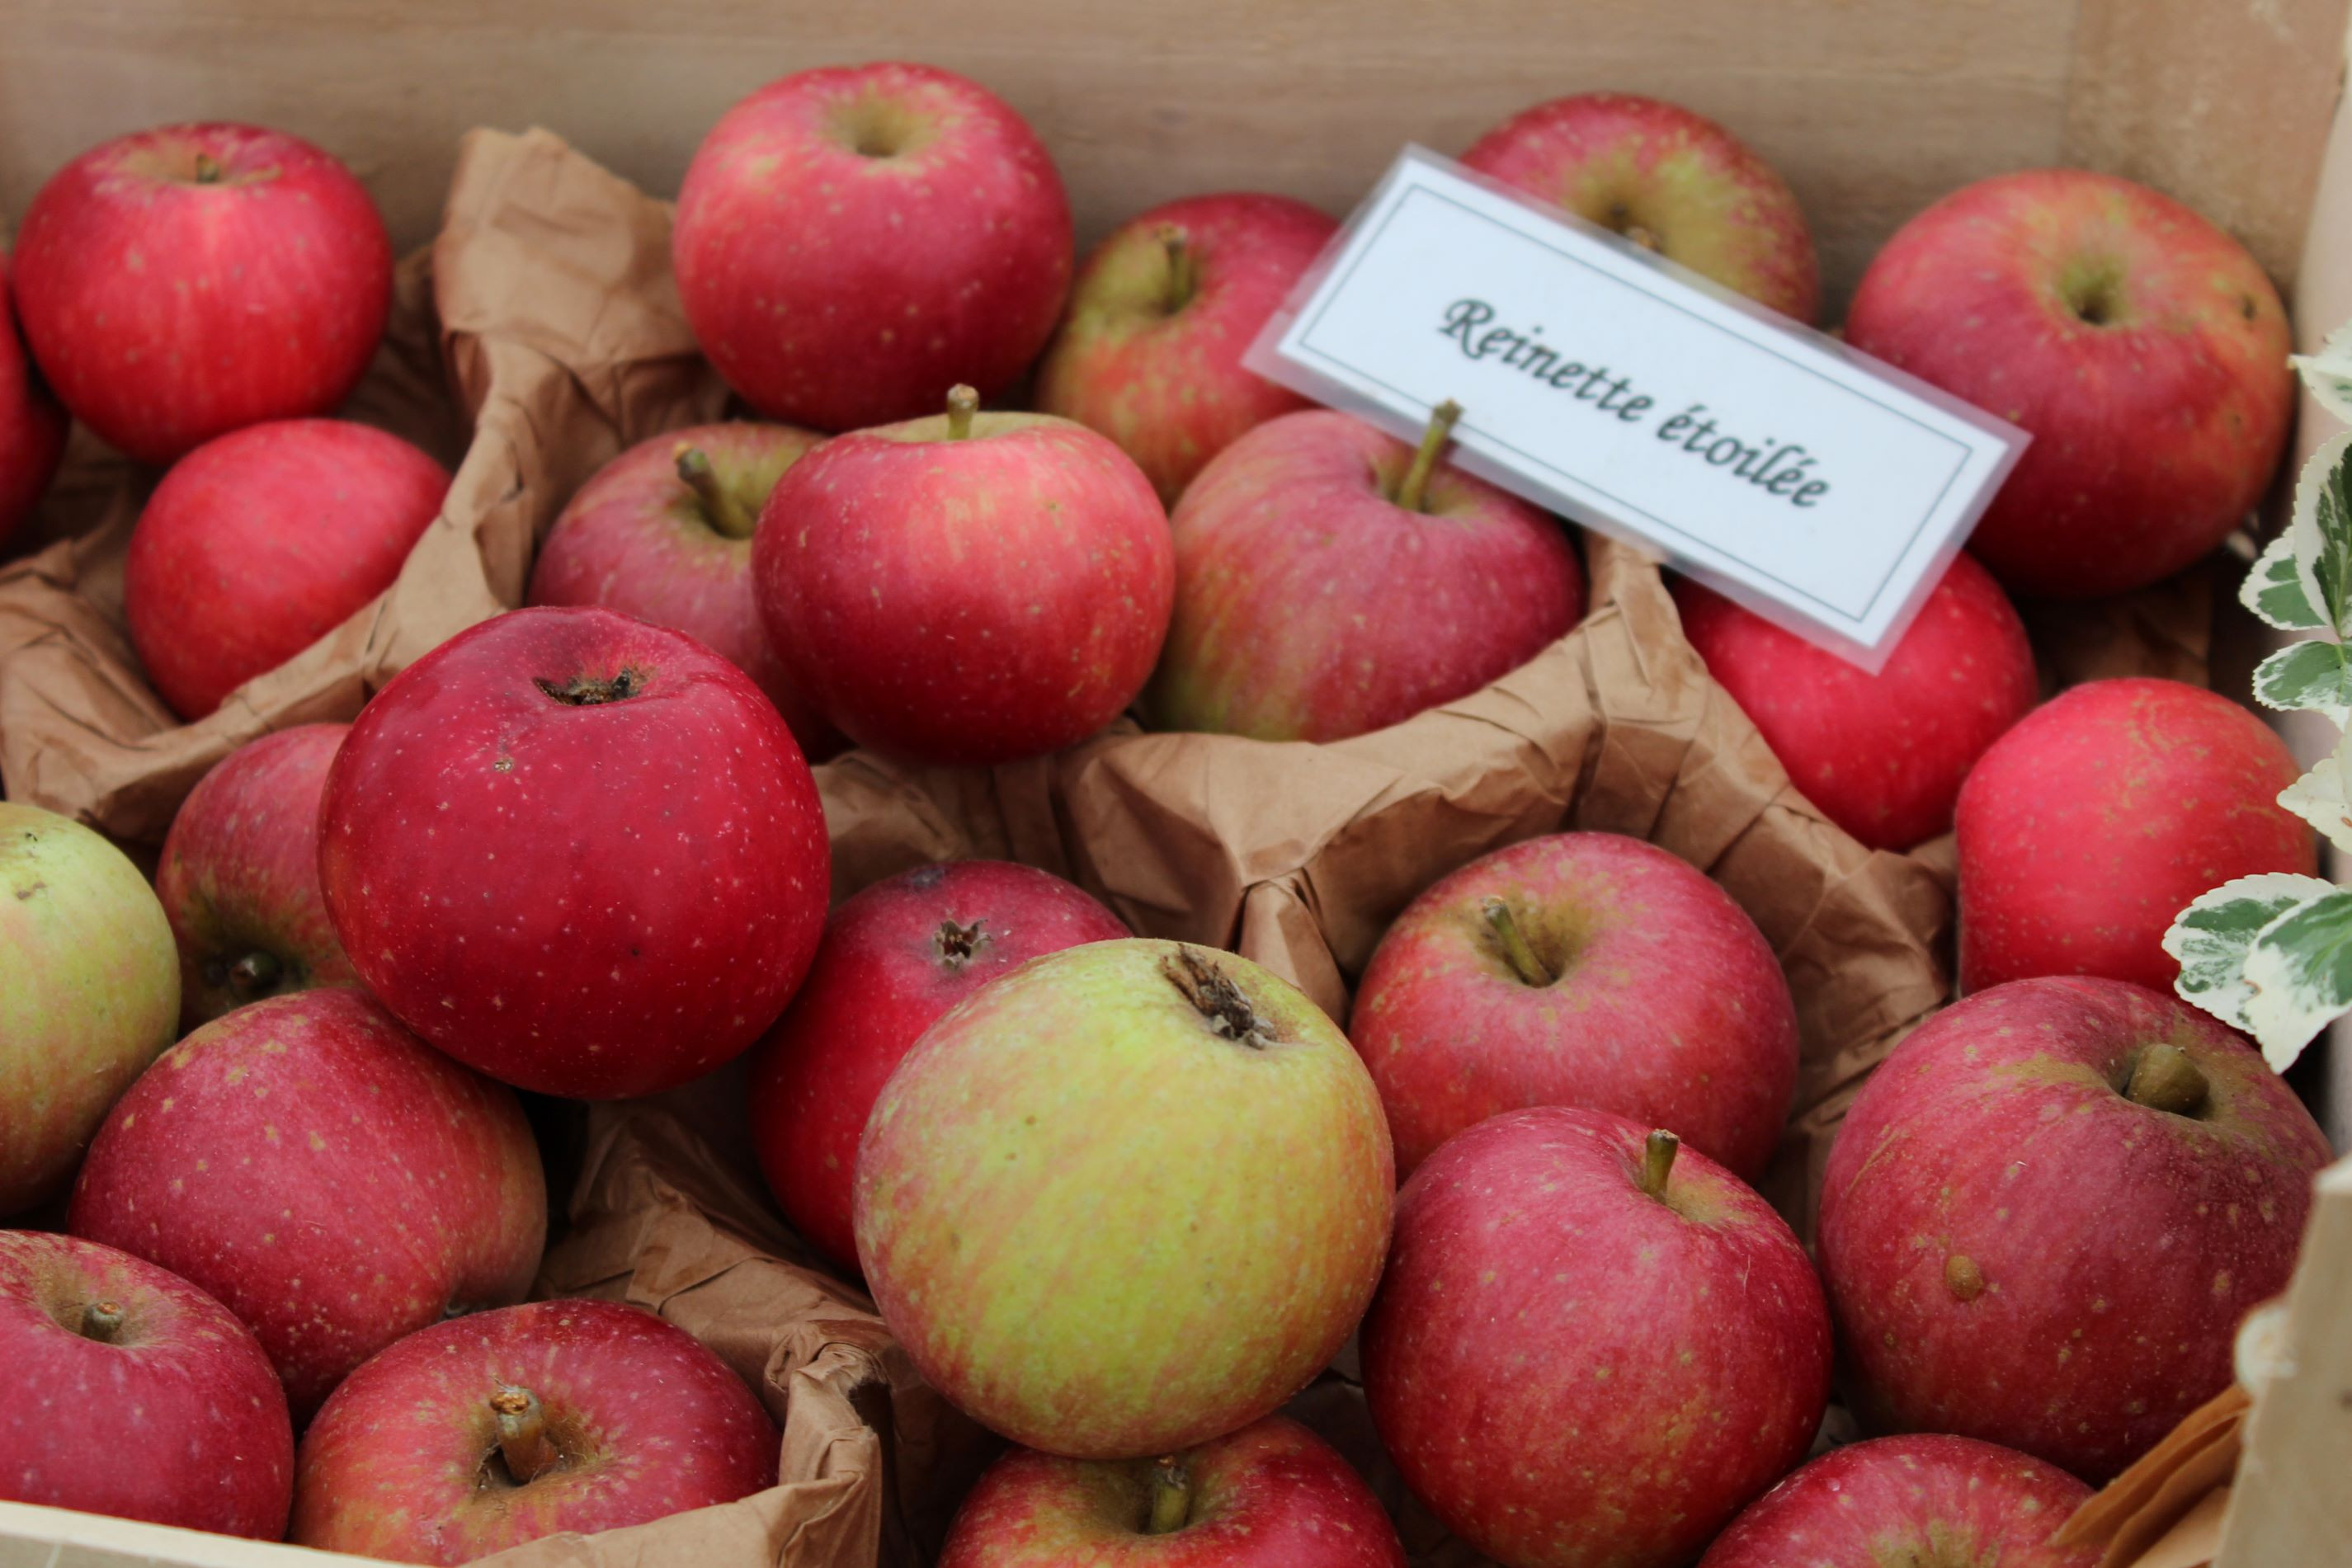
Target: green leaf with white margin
(2320, 533)
(2213, 937)
(2274, 593)
(2300, 971)
(2319, 797)
(2313, 676)
(2328, 373)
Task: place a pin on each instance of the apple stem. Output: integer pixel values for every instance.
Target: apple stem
(208, 170)
(1424, 462)
(962, 404)
(1184, 267)
(1217, 999)
(101, 1320)
(522, 1435)
(1658, 1152)
(255, 974)
(957, 944)
(1640, 236)
(2164, 1079)
(1521, 958)
(1172, 1496)
(720, 508)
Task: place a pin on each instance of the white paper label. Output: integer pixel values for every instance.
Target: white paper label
(1813, 483)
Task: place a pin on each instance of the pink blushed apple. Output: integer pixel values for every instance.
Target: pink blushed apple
(1669, 180)
(256, 545)
(663, 532)
(333, 1180)
(577, 851)
(32, 424)
(1588, 1349)
(854, 241)
(126, 1390)
(183, 282)
(1579, 969)
(1332, 580)
(471, 1436)
(894, 959)
(2048, 1209)
(2142, 348)
(1160, 318)
(240, 876)
(1272, 1495)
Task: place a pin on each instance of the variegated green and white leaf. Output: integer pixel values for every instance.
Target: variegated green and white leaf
(2320, 533)
(2274, 592)
(2300, 972)
(2328, 373)
(2213, 937)
(2319, 797)
(2307, 675)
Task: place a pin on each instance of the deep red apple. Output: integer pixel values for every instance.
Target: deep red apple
(1669, 180)
(2047, 1211)
(1272, 1495)
(663, 532)
(2142, 348)
(1923, 1501)
(577, 851)
(126, 1390)
(335, 1183)
(969, 588)
(471, 1436)
(1151, 354)
(894, 958)
(854, 241)
(256, 545)
(1331, 580)
(32, 424)
(239, 877)
(183, 282)
(1883, 756)
(2086, 828)
(1586, 1350)
(1579, 969)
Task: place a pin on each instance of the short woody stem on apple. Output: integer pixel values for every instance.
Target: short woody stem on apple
(1224, 1005)
(208, 170)
(720, 506)
(524, 1442)
(1172, 1496)
(962, 404)
(2164, 1079)
(1183, 268)
(1658, 1152)
(101, 1320)
(255, 975)
(1530, 969)
(1424, 462)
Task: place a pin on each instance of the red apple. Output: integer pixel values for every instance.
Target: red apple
(663, 532)
(1331, 580)
(1883, 756)
(32, 425)
(969, 588)
(576, 852)
(183, 282)
(1130, 1197)
(90, 994)
(1272, 1495)
(894, 959)
(126, 1390)
(854, 241)
(256, 545)
(1151, 354)
(2047, 1211)
(471, 1436)
(239, 878)
(1910, 1501)
(2085, 829)
(1579, 969)
(336, 1183)
(1667, 179)
(2141, 347)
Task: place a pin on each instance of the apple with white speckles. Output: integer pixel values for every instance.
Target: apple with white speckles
(471, 1436)
(577, 851)
(126, 1390)
(334, 1181)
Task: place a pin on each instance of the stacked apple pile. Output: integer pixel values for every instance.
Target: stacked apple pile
(1120, 1199)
